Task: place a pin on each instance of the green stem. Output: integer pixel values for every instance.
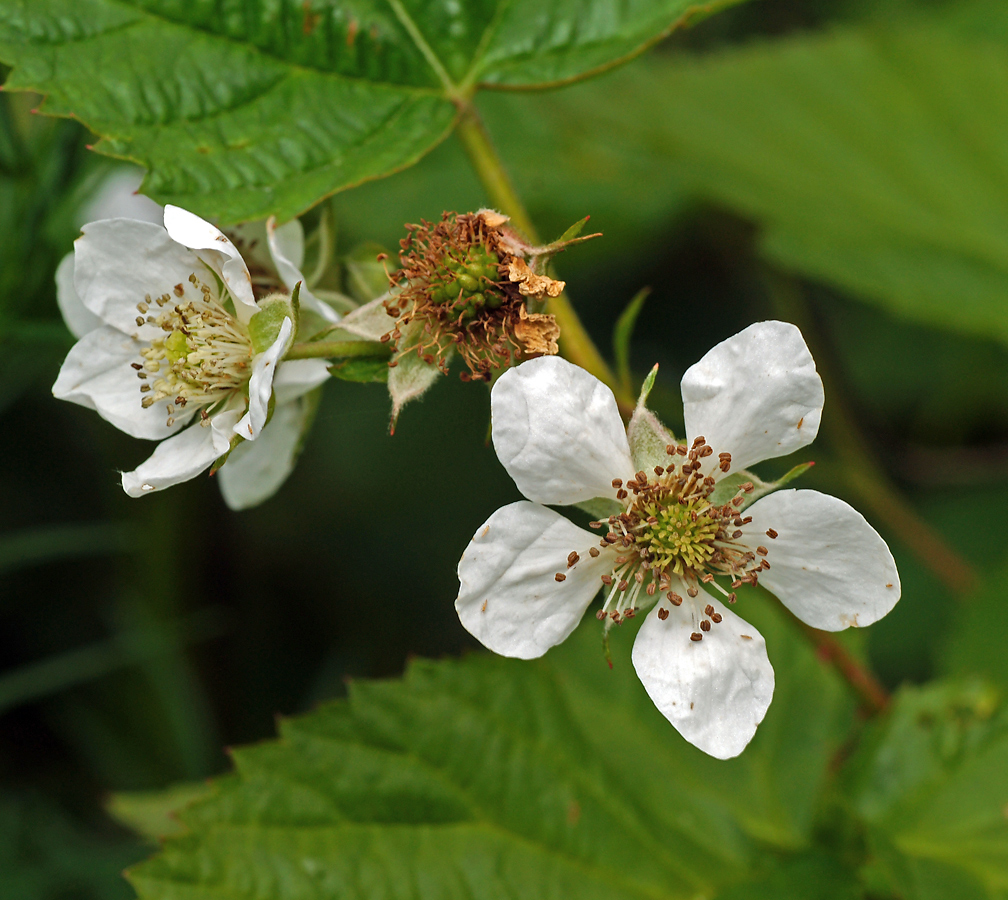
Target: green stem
(337, 349)
(862, 472)
(575, 342)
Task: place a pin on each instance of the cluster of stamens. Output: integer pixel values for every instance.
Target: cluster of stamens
(671, 531)
(454, 282)
(204, 355)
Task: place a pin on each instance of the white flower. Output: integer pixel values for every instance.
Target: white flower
(529, 574)
(166, 340)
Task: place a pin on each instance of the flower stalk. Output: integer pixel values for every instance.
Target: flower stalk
(337, 349)
(575, 342)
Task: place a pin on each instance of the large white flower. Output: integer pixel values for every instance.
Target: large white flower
(171, 335)
(680, 521)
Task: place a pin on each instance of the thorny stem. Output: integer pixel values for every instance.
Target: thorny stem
(337, 349)
(575, 342)
(861, 471)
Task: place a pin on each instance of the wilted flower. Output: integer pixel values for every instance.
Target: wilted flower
(171, 333)
(679, 520)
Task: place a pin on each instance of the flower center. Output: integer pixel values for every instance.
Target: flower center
(204, 355)
(671, 530)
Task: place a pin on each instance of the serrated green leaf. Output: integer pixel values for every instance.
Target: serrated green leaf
(931, 782)
(871, 157)
(242, 110)
(154, 814)
(489, 777)
(362, 369)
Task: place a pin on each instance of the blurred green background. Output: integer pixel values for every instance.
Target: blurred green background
(843, 164)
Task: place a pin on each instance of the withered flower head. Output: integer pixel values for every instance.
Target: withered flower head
(466, 287)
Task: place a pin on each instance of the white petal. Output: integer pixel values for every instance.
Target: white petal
(182, 457)
(509, 598)
(264, 367)
(827, 564)
(286, 245)
(255, 470)
(369, 321)
(756, 395)
(120, 261)
(714, 691)
(220, 252)
(295, 377)
(558, 432)
(118, 197)
(79, 319)
(97, 374)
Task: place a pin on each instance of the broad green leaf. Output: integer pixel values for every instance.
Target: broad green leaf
(489, 777)
(872, 157)
(240, 110)
(976, 645)
(931, 782)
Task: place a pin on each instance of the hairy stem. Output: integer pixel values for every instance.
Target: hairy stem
(862, 472)
(337, 349)
(575, 342)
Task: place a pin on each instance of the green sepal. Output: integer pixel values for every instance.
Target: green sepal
(622, 333)
(647, 436)
(264, 326)
(363, 369)
(728, 486)
(600, 507)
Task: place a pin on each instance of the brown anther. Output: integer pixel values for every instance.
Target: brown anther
(179, 289)
(560, 576)
(639, 576)
(736, 535)
(136, 366)
(572, 558)
(724, 465)
(659, 471)
(139, 321)
(764, 564)
(670, 449)
(738, 501)
(611, 538)
(692, 591)
(696, 636)
(699, 441)
(681, 450)
(614, 615)
(674, 598)
(708, 481)
(617, 482)
(709, 610)
(621, 495)
(732, 598)
(641, 478)
(595, 524)
(651, 589)
(737, 521)
(144, 388)
(707, 578)
(715, 617)
(747, 520)
(607, 580)
(593, 552)
(762, 551)
(652, 521)
(771, 533)
(662, 613)
(623, 585)
(630, 613)
(748, 487)
(705, 625)
(600, 614)
(705, 451)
